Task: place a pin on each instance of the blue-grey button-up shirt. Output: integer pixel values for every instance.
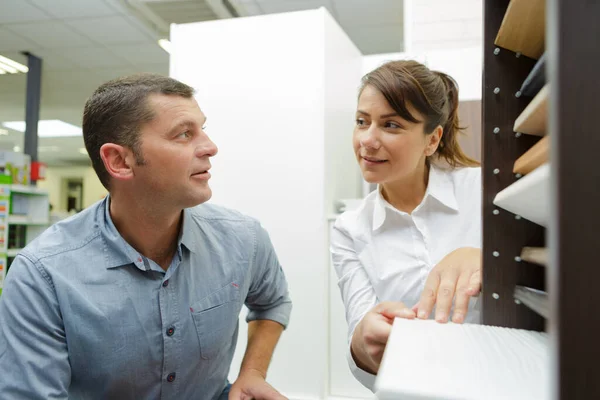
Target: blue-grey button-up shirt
(83, 315)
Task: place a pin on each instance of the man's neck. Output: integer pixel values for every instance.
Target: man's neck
(151, 231)
(407, 194)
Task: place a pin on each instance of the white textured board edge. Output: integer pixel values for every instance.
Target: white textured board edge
(428, 360)
(529, 197)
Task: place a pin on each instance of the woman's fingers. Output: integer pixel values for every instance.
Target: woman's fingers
(445, 295)
(429, 295)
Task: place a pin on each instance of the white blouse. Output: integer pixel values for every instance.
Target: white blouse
(383, 254)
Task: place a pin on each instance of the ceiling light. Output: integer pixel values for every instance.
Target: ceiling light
(83, 150)
(8, 68)
(3, 132)
(2, 72)
(47, 128)
(16, 149)
(18, 66)
(166, 45)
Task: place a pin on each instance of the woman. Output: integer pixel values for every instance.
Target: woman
(413, 247)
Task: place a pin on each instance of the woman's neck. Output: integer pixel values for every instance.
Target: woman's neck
(406, 194)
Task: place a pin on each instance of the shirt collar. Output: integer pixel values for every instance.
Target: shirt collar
(120, 253)
(440, 187)
(187, 236)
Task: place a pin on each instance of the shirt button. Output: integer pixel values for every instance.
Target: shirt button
(171, 331)
(166, 283)
(171, 377)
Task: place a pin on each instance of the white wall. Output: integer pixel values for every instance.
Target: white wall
(465, 65)
(279, 94)
(442, 24)
(92, 188)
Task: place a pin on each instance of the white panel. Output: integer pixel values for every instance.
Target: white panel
(12, 11)
(356, 13)
(260, 81)
(150, 53)
(109, 30)
(466, 362)
(12, 42)
(50, 34)
(276, 6)
(90, 57)
(74, 8)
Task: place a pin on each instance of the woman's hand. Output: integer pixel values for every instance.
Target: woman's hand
(457, 277)
(372, 332)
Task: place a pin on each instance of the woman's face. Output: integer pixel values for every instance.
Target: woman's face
(389, 148)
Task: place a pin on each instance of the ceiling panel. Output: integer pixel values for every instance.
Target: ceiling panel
(274, 6)
(142, 53)
(13, 11)
(109, 30)
(375, 12)
(10, 41)
(378, 39)
(91, 57)
(52, 59)
(50, 34)
(74, 8)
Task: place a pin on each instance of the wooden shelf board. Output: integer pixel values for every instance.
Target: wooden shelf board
(537, 155)
(528, 197)
(535, 255)
(534, 119)
(523, 28)
(536, 300)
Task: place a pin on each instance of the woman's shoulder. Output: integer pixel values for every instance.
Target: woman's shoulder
(465, 176)
(359, 218)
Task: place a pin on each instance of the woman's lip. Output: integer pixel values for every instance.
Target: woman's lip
(373, 160)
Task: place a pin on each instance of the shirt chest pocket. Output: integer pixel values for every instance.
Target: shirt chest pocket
(216, 317)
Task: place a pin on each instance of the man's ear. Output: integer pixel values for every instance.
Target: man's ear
(433, 140)
(118, 161)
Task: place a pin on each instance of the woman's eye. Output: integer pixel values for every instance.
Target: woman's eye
(360, 122)
(392, 125)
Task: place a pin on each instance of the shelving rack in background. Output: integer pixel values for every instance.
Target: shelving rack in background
(541, 181)
(24, 214)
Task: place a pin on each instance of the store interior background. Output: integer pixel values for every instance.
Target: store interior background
(84, 43)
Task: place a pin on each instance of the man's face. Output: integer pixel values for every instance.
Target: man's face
(176, 153)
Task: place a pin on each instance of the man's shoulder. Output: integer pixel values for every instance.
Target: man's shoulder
(71, 234)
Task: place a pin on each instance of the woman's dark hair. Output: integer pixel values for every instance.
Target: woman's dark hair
(433, 94)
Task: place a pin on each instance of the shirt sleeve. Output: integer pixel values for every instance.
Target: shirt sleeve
(34, 361)
(357, 292)
(268, 297)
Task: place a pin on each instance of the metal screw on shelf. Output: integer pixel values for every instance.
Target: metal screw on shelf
(496, 130)
(518, 94)
(517, 217)
(496, 51)
(496, 254)
(518, 259)
(496, 212)
(496, 171)
(517, 301)
(496, 90)
(518, 54)
(496, 296)
(518, 176)
(517, 134)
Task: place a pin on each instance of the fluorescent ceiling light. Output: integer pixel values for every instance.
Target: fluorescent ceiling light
(166, 45)
(82, 150)
(11, 63)
(16, 149)
(8, 68)
(47, 128)
(3, 132)
(2, 72)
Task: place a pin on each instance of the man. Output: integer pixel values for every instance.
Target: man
(138, 296)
